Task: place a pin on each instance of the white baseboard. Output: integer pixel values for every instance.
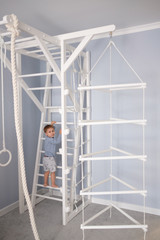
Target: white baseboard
(9, 208)
(128, 206)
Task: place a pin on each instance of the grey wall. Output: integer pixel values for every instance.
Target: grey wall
(31, 118)
(8, 175)
(142, 50)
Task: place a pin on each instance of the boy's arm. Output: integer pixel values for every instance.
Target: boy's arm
(58, 139)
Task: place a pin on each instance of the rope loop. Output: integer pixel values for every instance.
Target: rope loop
(2, 46)
(9, 159)
(3, 49)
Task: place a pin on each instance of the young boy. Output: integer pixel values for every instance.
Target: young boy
(49, 163)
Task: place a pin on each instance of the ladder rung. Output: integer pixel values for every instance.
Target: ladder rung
(58, 109)
(44, 88)
(42, 151)
(113, 86)
(49, 48)
(58, 153)
(68, 154)
(36, 74)
(41, 165)
(53, 109)
(68, 140)
(60, 167)
(41, 185)
(68, 123)
(48, 197)
(42, 175)
(112, 121)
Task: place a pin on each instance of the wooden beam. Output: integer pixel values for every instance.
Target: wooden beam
(77, 51)
(49, 58)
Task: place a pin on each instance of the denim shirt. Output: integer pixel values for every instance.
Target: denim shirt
(50, 145)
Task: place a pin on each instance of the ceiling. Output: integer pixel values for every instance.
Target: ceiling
(62, 16)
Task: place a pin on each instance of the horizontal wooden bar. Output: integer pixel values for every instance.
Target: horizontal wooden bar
(143, 227)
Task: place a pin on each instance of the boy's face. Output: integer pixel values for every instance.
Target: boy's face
(50, 132)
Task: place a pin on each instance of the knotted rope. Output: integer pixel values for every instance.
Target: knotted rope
(13, 27)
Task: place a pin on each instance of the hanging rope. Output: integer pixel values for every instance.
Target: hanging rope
(125, 60)
(4, 150)
(13, 27)
(111, 43)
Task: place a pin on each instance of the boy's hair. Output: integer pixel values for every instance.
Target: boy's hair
(47, 127)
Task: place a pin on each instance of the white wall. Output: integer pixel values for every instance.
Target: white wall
(142, 50)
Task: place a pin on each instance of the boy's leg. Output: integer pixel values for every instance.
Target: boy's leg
(46, 175)
(53, 178)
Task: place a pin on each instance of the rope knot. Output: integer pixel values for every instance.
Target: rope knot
(12, 24)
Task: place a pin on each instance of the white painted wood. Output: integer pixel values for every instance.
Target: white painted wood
(103, 227)
(117, 32)
(92, 31)
(21, 194)
(64, 137)
(49, 58)
(76, 52)
(33, 31)
(96, 122)
(25, 87)
(114, 192)
(114, 86)
(39, 147)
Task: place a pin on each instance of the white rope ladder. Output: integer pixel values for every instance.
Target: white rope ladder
(110, 153)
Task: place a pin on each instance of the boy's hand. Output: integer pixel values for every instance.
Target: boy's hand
(53, 122)
(60, 131)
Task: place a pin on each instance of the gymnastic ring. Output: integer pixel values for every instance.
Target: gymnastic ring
(10, 157)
